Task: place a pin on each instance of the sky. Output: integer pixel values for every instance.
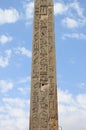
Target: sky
(16, 30)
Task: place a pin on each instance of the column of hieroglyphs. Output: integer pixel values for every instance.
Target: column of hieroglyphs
(43, 105)
(34, 103)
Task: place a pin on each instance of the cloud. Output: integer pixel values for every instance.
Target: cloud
(76, 6)
(72, 12)
(25, 80)
(14, 109)
(4, 61)
(8, 53)
(23, 51)
(29, 9)
(63, 8)
(81, 101)
(60, 8)
(82, 85)
(72, 110)
(5, 39)
(5, 86)
(70, 23)
(66, 97)
(79, 36)
(17, 102)
(8, 123)
(8, 16)
(24, 90)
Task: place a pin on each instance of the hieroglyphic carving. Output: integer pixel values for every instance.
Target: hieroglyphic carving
(50, 14)
(50, 2)
(43, 51)
(36, 11)
(43, 74)
(35, 105)
(53, 125)
(43, 2)
(35, 60)
(34, 120)
(35, 72)
(43, 96)
(44, 105)
(35, 96)
(51, 91)
(52, 72)
(43, 23)
(51, 46)
(43, 10)
(43, 119)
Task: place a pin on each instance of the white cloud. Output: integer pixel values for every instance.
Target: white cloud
(70, 23)
(8, 16)
(17, 112)
(82, 85)
(25, 80)
(24, 90)
(23, 51)
(67, 8)
(5, 86)
(14, 109)
(29, 7)
(8, 53)
(65, 96)
(1, 109)
(81, 100)
(72, 110)
(76, 6)
(73, 22)
(60, 8)
(72, 12)
(75, 35)
(4, 61)
(5, 39)
(17, 102)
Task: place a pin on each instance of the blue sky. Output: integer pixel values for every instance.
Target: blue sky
(16, 27)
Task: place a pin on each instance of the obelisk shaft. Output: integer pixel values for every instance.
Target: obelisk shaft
(43, 102)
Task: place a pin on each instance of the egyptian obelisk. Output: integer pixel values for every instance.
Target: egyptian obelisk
(43, 101)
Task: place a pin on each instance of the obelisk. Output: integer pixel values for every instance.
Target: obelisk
(43, 101)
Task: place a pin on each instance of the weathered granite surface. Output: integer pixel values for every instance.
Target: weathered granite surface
(43, 102)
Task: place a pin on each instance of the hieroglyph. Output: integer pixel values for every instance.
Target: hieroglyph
(43, 102)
